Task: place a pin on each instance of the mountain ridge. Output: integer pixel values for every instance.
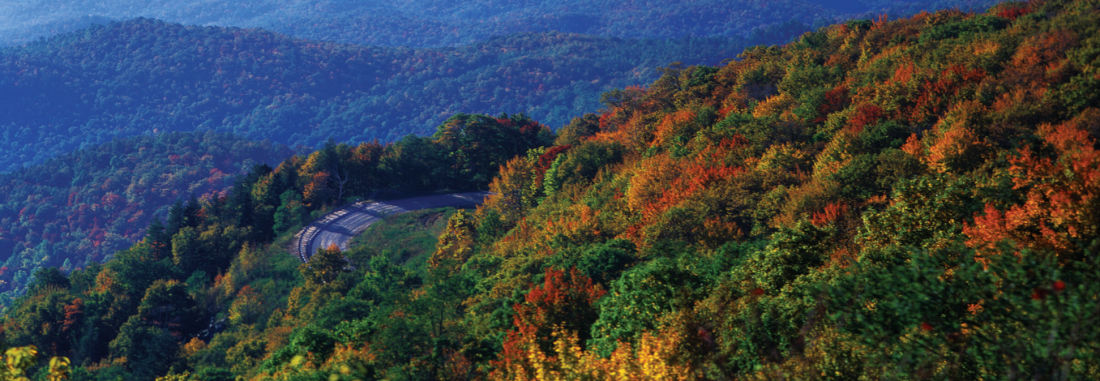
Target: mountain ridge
(452, 23)
(133, 77)
(904, 199)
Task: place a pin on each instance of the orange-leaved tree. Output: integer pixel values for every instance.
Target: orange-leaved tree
(565, 301)
(1062, 194)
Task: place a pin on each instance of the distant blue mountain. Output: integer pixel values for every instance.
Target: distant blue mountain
(145, 76)
(428, 23)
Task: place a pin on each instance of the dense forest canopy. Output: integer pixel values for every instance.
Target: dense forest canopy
(143, 76)
(82, 207)
(85, 89)
(434, 23)
(147, 290)
(912, 198)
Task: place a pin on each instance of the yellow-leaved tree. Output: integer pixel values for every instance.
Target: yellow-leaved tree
(18, 360)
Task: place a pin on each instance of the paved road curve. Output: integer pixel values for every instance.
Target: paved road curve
(340, 226)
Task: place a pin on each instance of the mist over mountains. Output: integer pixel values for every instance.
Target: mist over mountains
(423, 23)
(879, 198)
(394, 69)
(145, 76)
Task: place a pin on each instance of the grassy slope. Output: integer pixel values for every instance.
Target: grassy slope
(406, 239)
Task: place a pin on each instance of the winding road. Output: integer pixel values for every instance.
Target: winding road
(340, 226)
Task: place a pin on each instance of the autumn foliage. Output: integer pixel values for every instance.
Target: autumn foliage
(1060, 206)
(564, 302)
(911, 198)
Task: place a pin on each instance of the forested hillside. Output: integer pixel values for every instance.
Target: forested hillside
(424, 23)
(84, 206)
(143, 76)
(887, 199)
(126, 318)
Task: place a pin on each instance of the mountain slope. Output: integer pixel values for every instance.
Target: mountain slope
(909, 199)
(197, 243)
(82, 207)
(447, 23)
(142, 76)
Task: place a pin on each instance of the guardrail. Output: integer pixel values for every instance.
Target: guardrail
(306, 236)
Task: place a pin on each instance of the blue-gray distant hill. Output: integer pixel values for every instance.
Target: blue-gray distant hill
(145, 76)
(424, 23)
